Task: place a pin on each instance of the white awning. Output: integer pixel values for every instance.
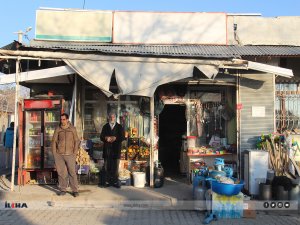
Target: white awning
(270, 69)
(37, 74)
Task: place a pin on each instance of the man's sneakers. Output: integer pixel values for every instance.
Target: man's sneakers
(61, 193)
(75, 194)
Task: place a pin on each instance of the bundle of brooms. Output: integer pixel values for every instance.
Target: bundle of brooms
(278, 156)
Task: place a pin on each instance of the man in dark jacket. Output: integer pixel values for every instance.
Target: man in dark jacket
(65, 145)
(8, 142)
(112, 135)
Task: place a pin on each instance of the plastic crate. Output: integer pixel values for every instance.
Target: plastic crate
(84, 169)
(126, 182)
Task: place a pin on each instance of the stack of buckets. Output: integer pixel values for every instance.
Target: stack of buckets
(266, 190)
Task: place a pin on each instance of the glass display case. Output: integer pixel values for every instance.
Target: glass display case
(40, 121)
(33, 139)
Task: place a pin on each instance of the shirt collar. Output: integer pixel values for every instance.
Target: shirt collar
(112, 125)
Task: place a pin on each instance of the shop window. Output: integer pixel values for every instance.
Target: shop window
(287, 107)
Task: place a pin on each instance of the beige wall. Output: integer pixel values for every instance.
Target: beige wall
(257, 30)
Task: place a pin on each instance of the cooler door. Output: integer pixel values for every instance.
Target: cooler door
(33, 139)
(52, 119)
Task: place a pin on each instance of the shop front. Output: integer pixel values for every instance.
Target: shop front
(178, 112)
(183, 113)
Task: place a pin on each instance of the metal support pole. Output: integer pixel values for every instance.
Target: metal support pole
(16, 126)
(238, 117)
(75, 102)
(152, 141)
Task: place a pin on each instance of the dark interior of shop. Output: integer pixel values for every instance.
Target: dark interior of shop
(172, 125)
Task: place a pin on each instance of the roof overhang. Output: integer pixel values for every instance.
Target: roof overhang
(135, 75)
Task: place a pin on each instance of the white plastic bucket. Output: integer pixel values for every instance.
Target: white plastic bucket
(139, 179)
(191, 141)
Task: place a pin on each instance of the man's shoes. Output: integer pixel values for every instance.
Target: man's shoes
(107, 185)
(75, 194)
(61, 193)
(117, 185)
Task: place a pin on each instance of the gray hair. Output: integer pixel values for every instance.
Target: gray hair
(112, 113)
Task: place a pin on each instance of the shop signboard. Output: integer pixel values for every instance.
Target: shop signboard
(73, 25)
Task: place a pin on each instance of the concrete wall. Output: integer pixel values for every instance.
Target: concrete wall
(169, 28)
(257, 30)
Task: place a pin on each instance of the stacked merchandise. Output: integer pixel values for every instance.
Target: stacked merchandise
(82, 161)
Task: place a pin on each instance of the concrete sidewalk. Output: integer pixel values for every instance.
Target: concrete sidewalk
(171, 204)
(93, 196)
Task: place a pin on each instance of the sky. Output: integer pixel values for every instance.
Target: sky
(18, 15)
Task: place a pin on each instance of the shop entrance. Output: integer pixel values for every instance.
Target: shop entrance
(172, 125)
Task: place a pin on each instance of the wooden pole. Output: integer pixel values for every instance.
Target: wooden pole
(16, 120)
(152, 141)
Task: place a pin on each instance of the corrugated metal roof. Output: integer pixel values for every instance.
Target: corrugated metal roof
(205, 51)
(11, 46)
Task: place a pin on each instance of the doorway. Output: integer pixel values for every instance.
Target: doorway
(172, 125)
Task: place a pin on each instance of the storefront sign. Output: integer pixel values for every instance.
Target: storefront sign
(74, 25)
(170, 28)
(174, 100)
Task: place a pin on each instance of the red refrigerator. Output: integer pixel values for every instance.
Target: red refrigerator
(40, 118)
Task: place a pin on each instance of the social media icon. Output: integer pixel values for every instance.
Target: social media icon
(266, 205)
(287, 205)
(279, 204)
(273, 205)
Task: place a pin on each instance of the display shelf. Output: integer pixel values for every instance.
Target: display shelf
(52, 121)
(207, 155)
(35, 135)
(208, 159)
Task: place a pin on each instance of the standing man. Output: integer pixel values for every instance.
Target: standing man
(112, 135)
(8, 142)
(65, 145)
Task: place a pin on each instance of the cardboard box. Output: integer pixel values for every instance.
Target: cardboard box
(227, 206)
(249, 210)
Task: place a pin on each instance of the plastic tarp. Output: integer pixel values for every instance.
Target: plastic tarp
(133, 78)
(97, 73)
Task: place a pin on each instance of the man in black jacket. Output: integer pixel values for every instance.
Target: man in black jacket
(112, 135)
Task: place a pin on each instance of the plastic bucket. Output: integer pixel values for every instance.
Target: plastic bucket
(191, 141)
(227, 189)
(139, 179)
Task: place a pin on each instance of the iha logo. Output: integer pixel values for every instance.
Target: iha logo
(15, 205)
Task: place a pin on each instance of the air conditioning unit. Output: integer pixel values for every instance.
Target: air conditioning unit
(255, 170)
